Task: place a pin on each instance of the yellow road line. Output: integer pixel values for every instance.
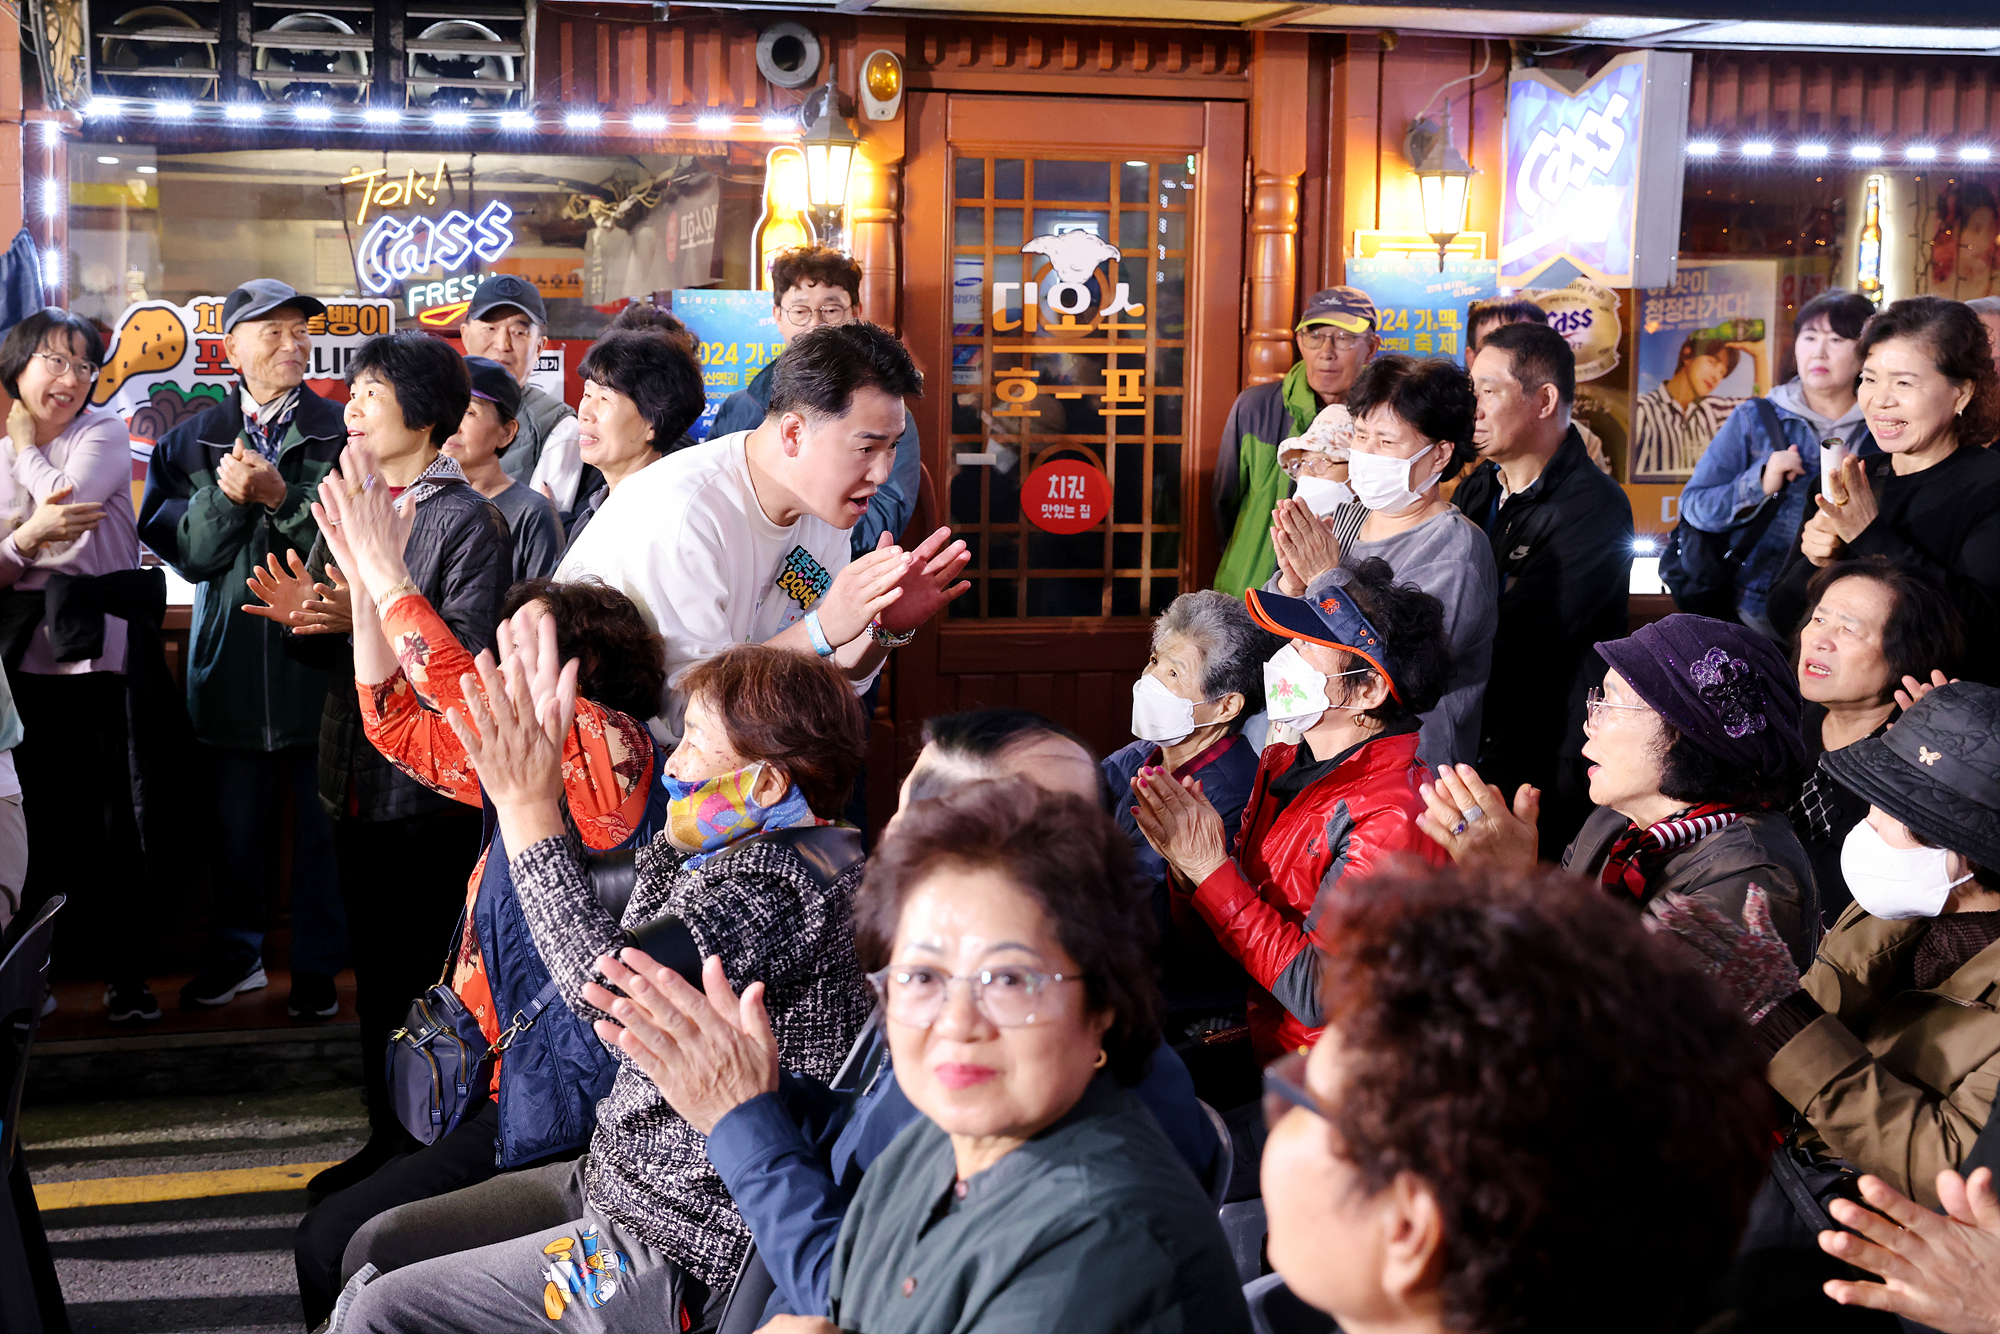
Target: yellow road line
(173, 1186)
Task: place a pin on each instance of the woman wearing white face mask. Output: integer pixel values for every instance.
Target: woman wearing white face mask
(1413, 423)
(1366, 657)
(1889, 1046)
(1204, 677)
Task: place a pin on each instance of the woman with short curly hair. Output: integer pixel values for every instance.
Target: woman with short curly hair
(1931, 502)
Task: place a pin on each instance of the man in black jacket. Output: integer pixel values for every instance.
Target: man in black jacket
(1562, 541)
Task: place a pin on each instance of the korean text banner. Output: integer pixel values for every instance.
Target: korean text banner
(1572, 173)
(166, 363)
(737, 335)
(1418, 309)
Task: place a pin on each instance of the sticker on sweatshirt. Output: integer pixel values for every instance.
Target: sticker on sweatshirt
(580, 1271)
(803, 579)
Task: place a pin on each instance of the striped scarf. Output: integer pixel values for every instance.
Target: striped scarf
(1638, 853)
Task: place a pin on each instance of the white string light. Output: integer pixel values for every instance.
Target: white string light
(312, 113)
(450, 120)
(54, 197)
(1813, 152)
(381, 115)
(103, 108)
(51, 268)
(649, 121)
(711, 123)
(516, 120)
(1920, 152)
(582, 121)
(1704, 148)
(1759, 148)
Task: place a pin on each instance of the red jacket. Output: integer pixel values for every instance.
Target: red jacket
(1263, 904)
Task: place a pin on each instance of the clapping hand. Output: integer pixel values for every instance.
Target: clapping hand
(516, 751)
(248, 478)
(1938, 1270)
(1305, 545)
(293, 599)
(926, 584)
(1180, 822)
(1914, 690)
(1470, 819)
(354, 502)
(708, 1052)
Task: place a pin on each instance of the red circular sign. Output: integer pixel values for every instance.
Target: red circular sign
(1066, 496)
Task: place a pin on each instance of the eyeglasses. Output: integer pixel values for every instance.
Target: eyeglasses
(1595, 701)
(1009, 997)
(1318, 338)
(826, 314)
(60, 365)
(1282, 1091)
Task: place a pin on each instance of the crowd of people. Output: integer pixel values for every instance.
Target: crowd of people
(1438, 942)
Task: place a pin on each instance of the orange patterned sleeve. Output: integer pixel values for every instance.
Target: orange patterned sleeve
(606, 757)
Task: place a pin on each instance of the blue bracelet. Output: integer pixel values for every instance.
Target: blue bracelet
(820, 644)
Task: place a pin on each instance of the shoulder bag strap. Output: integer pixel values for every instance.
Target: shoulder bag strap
(1753, 532)
(524, 1018)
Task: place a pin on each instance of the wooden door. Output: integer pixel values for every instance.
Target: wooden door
(1137, 387)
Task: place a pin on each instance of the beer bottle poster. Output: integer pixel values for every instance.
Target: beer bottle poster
(1706, 344)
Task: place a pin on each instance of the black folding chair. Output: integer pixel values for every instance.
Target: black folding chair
(30, 1294)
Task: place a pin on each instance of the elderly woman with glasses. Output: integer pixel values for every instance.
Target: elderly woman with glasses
(66, 504)
(1694, 750)
(1036, 1192)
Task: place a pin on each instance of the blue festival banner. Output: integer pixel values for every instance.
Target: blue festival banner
(1572, 174)
(736, 336)
(1418, 309)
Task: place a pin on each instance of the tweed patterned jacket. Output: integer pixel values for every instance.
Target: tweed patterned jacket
(764, 911)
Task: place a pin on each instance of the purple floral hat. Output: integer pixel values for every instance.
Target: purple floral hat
(1726, 688)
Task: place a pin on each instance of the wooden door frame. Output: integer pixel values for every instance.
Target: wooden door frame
(1215, 305)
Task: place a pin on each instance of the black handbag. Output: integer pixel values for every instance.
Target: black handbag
(1699, 567)
(439, 1059)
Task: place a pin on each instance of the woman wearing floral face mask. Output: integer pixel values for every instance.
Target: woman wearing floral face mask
(1412, 433)
(747, 869)
(1366, 656)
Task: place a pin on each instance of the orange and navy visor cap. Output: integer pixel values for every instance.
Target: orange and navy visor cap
(1326, 615)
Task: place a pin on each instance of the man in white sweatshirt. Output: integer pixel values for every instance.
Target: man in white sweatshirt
(743, 539)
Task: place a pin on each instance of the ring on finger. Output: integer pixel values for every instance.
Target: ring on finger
(1471, 813)
(1458, 829)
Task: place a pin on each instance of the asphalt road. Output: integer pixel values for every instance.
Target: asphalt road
(179, 1212)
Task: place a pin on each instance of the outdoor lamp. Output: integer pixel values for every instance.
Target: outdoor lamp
(1443, 177)
(829, 147)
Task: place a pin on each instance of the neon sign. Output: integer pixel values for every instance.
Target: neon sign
(392, 250)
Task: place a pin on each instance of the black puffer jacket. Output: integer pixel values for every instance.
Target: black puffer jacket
(461, 557)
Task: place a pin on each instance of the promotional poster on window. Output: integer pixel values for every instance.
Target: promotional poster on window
(1706, 344)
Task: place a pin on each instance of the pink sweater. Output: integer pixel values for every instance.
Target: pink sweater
(93, 456)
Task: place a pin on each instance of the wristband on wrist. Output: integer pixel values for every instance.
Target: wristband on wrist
(889, 638)
(821, 645)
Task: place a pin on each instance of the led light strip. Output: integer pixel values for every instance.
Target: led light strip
(1812, 150)
(581, 120)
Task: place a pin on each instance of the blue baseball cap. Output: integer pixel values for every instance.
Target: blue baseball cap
(1326, 615)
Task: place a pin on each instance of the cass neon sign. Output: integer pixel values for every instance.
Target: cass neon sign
(394, 250)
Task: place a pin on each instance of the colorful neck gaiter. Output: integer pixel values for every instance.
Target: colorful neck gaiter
(706, 817)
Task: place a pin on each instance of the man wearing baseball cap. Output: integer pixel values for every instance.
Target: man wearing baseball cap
(507, 323)
(1336, 337)
(225, 491)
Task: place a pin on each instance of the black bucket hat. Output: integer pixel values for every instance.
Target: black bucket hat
(1937, 770)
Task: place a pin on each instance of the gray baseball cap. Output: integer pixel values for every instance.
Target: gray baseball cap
(260, 296)
(506, 289)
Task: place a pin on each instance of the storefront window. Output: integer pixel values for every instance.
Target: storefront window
(1068, 342)
(153, 223)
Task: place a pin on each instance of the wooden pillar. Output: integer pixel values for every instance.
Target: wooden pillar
(875, 195)
(12, 185)
(1278, 91)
